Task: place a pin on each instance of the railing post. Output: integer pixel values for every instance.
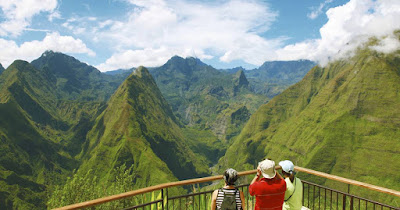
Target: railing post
(162, 196)
(344, 201)
(351, 202)
(166, 196)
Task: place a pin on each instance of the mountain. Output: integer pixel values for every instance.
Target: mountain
(273, 77)
(1, 68)
(120, 72)
(76, 80)
(29, 158)
(139, 129)
(203, 97)
(48, 107)
(342, 119)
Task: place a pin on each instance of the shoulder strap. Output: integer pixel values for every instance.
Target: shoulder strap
(293, 190)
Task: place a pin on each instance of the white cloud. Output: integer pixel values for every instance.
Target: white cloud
(230, 30)
(388, 44)
(146, 57)
(317, 11)
(31, 50)
(348, 27)
(18, 14)
(54, 15)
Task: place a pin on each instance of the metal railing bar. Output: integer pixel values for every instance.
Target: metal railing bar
(346, 194)
(218, 177)
(145, 204)
(349, 181)
(319, 198)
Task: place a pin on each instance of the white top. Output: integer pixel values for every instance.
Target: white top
(293, 194)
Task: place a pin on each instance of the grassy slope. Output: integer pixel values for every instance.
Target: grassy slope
(28, 157)
(342, 119)
(273, 77)
(136, 128)
(76, 80)
(203, 97)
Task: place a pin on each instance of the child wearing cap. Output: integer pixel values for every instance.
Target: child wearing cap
(268, 186)
(294, 187)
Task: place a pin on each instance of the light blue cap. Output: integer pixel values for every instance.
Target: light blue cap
(287, 166)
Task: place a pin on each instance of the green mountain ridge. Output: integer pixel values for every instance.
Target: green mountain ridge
(138, 130)
(76, 80)
(28, 156)
(203, 97)
(62, 121)
(342, 119)
(273, 77)
(1, 68)
(137, 119)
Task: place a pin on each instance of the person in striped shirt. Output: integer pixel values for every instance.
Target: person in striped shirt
(228, 197)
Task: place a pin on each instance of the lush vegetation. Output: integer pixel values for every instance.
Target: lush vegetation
(273, 77)
(342, 119)
(203, 97)
(53, 122)
(70, 133)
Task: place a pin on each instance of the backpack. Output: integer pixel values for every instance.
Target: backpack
(229, 202)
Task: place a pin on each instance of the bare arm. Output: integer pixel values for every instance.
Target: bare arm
(279, 175)
(242, 198)
(214, 200)
(257, 177)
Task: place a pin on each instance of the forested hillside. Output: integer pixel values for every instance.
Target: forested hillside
(341, 119)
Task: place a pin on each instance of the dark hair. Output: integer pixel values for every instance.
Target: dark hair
(230, 176)
(291, 175)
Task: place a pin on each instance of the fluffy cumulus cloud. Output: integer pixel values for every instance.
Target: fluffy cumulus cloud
(156, 30)
(31, 50)
(348, 27)
(145, 57)
(18, 14)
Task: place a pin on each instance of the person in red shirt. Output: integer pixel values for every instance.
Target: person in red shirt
(268, 186)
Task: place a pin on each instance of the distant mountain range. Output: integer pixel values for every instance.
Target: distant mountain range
(205, 98)
(273, 77)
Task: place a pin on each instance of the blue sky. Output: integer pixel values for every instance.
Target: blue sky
(113, 34)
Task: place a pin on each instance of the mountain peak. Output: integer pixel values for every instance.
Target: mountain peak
(240, 79)
(189, 61)
(142, 72)
(19, 64)
(48, 52)
(1, 68)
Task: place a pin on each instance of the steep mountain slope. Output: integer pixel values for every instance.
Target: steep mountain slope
(273, 77)
(29, 159)
(1, 68)
(138, 128)
(342, 119)
(76, 80)
(201, 95)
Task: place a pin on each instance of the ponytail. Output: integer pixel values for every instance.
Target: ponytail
(291, 176)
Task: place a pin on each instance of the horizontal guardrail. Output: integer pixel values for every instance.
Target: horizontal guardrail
(218, 177)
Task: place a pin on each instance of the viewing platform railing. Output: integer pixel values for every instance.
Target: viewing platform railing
(314, 196)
